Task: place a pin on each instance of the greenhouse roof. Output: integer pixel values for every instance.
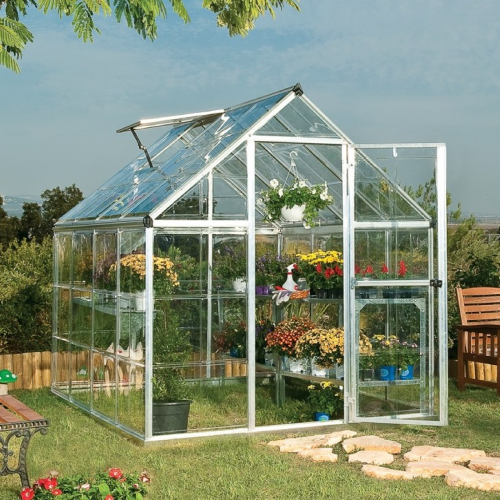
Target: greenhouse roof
(198, 143)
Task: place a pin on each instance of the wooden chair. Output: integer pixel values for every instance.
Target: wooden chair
(479, 337)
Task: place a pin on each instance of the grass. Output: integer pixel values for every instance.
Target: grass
(243, 467)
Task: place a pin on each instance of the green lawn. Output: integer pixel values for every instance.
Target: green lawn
(243, 467)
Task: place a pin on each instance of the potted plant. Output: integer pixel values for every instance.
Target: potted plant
(324, 347)
(171, 392)
(323, 271)
(282, 340)
(390, 353)
(230, 264)
(278, 199)
(326, 399)
(232, 340)
(133, 276)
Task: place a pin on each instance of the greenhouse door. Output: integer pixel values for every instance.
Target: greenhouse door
(395, 254)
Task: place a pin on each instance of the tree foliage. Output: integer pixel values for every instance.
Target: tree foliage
(26, 297)
(238, 16)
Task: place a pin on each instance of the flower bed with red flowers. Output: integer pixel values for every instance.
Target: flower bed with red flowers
(110, 485)
(284, 337)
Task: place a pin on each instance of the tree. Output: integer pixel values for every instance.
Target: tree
(238, 16)
(56, 203)
(8, 227)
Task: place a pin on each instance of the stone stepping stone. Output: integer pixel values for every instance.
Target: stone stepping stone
(372, 457)
(319, 455)
(444, 454)
(485, 464)
(371, 443)
(294, 445)
(431, 468)
(472, 479)
(388, 474)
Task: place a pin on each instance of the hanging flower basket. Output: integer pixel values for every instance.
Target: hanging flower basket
(279, 197)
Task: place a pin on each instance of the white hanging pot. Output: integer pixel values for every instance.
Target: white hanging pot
(295, 213)
(239, 285)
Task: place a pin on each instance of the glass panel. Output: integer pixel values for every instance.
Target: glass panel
(131, 408)
(104, 321)
(82, 259)
(132, 262)
(63, 312)
(395, 184)
(299, 119)
(82, 317)
(229, 263)
(80, 375)
(393, 351)
(188, 254)
(193, 205)
(61, 360)
(104, 368)
(63, 255)
(105, 258)
(131, 340)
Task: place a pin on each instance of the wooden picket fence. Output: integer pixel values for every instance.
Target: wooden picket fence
(33, 369)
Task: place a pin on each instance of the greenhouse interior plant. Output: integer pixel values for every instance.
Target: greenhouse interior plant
(171, 392)
(323, 272)
(311, 199)
(327, 400)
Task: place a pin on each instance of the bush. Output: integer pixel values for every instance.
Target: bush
(26, 297)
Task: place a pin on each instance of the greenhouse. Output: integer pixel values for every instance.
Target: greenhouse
(254, 269)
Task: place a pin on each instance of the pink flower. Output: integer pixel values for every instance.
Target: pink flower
(27, 494)
(144, 478)
(115, 473)
(85, 487)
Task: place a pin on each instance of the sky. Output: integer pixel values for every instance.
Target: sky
(384, 71)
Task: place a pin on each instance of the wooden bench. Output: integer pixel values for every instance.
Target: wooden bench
(18, 421)
(479, 337)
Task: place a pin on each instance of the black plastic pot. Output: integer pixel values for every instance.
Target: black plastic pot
(171, 418)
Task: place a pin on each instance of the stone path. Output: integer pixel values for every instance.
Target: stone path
(460, 467)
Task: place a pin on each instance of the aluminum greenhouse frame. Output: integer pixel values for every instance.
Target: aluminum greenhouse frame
(142, 293)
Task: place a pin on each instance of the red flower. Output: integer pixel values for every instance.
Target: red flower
(27, 494)
(368, 270)
(329, 272)
(109, 497)
(338, 270)
(385, 269)
(318, 268)
(357, 269)
(57, 492)
(402, 269)
(145, 479)
(115, 473)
